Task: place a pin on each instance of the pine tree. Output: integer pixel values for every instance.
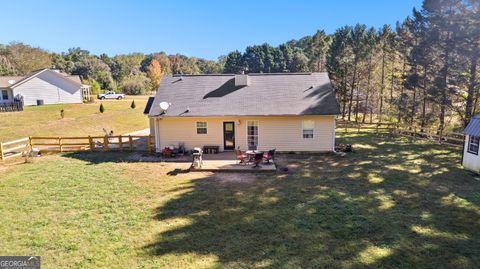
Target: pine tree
(133, 105)
(102, 108)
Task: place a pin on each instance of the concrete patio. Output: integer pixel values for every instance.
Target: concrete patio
(226, 162)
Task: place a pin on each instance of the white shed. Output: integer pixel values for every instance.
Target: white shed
(471, 159)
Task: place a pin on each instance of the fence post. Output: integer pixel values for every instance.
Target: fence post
(120, 144)
(130, 142)
(149, 143)
(1, 151)
(105, 143)
(90, 141)
(60, 143)
(30, 143)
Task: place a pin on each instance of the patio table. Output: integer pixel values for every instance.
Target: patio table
(251, 154)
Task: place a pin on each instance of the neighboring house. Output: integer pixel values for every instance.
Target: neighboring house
(471, 159)
(286, 111)
(45, 86)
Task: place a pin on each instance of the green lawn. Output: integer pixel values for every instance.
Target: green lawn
(79, 120)
(390, 204)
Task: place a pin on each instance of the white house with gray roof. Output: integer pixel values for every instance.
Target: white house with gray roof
(44, 86)
(286, 111)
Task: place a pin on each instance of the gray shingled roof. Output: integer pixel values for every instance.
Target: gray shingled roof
(4, 80)
(473, 127)
(266, 94)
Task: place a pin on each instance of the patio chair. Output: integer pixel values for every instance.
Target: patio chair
(241, 157)
(269, 156)
(258, 159)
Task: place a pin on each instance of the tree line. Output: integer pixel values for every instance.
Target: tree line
(421, 73)
(134, 73)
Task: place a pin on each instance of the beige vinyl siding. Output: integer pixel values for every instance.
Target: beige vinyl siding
(282, 133)
(175, 130)
(49, 88)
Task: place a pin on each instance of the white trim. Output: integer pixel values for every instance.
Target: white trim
(246, 133)
(313, 129)
(157, 135)
(196, 127)
(334, 132)
(1, 95)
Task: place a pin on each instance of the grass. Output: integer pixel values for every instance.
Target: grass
(392, 203)
(79, 120)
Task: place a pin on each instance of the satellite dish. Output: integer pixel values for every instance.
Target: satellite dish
(11, 81)
(164, 105)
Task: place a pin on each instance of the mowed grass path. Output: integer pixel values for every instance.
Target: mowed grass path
(390, 204)
(79, 120)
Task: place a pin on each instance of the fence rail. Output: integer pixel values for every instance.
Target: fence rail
(77, 143)
(366, 126)
(453, 138)
(14, 148)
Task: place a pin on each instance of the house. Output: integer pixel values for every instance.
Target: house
(471, 159)
(287, 111)
(44, 86)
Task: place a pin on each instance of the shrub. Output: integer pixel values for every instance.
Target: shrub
(133, 105)
(102, 108)
(135, 85)
(94, 87)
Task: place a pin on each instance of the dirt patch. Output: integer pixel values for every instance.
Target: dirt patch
(232, 178)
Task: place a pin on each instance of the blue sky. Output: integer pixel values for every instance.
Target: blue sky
(205, 29)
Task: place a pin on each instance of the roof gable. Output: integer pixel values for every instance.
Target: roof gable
(265, 94)
(473, 127)
(67, 78)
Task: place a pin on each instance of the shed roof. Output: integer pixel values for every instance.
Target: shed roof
(473, 127)
(265, 95)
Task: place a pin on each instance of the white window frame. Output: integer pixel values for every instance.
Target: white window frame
(475, 142)
(312, 130)
(1, 94)
(257, 135)
(197, 127)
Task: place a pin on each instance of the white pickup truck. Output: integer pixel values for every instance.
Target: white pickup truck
(111, 95)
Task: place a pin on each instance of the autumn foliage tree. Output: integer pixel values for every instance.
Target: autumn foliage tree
(155, 74)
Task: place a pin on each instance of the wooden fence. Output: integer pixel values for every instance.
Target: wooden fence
(452, 138)
(366, 126)
(71, 144)
(11, 107)
(14, 148)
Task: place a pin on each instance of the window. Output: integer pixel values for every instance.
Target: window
(307, 129)
(473, 143)
(201, 127)
(252, 134)
(4, 95)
